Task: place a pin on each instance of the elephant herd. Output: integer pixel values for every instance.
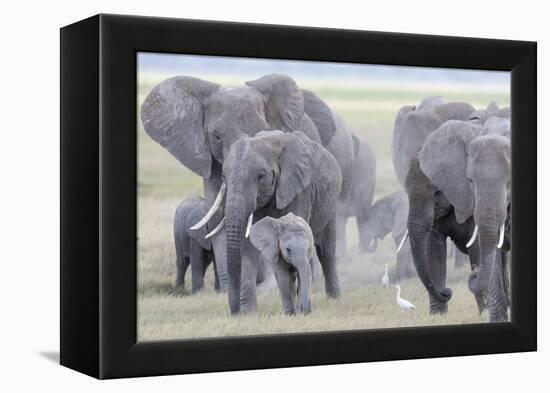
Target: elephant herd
(282, 173)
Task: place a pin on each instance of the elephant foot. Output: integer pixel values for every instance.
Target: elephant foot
(481, 301)
(501, 316)
(248, 308)
(290, 312)
(437, 308)
(333, 292)
(304, 309)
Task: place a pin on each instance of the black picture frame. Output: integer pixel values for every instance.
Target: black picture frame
(98, 196)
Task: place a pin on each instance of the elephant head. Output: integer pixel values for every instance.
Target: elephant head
(388, 214)
(469, 164)
(271, 168)
(413, 124)
(287, 240)
(197, 121)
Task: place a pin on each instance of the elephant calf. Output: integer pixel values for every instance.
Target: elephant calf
(287, 243)
(389, 214)
(191, 246)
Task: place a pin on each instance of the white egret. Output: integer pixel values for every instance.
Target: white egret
(404, 304)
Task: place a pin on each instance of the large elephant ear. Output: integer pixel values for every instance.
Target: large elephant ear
(172, 114)
(443, 160)
(195, 215)
(410, 130)
(264, 235)
(297, 163)
(284, 101)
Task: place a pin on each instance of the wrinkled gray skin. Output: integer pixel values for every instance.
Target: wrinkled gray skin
(414, 123)
(287, 243)
(272, 174)
(191, 246)
(389, 215)
(360, 197)
(461, 177)
(198, 121)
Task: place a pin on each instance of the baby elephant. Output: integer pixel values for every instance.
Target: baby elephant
(389, 214)
(287, 243)
(191, 246)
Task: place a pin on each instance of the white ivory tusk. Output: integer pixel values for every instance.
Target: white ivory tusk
(473, 238)
(216, 230)
(501, 237)
(212, 211)
(248, 225)
(402, 241)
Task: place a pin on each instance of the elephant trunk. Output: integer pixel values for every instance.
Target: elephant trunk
(237, 212)
(367, 236)
(418, 226)
(304, 288)
(489, 215)
(479, 280)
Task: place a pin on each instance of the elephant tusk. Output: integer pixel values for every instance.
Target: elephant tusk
(402, 241)
(472, 239)
(212, 211)
(501, 237)
(248, 225)
(216, 230)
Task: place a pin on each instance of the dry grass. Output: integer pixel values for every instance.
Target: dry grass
(166, 313)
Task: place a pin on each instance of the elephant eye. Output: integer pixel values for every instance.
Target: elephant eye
(217, 136)
(260, 177)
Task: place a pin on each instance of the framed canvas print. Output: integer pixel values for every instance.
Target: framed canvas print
(240, 196)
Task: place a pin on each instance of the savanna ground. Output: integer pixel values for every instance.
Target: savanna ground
(167, 313)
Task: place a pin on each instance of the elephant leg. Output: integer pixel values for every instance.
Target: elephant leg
(506, 271)
(326, 251)
(437, 257)
(341, 221)
(497, 299)
(269, 283)
(287, 287)
(250, 258)
(481, 299)
(181, 268)
(219, 251)
(216, 276)
(198, 258)
(260, 277)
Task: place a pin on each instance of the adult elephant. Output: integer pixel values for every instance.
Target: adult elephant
(414, 123)
(197, 122)
(459, 186)
(359, 199)
(273, 174)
